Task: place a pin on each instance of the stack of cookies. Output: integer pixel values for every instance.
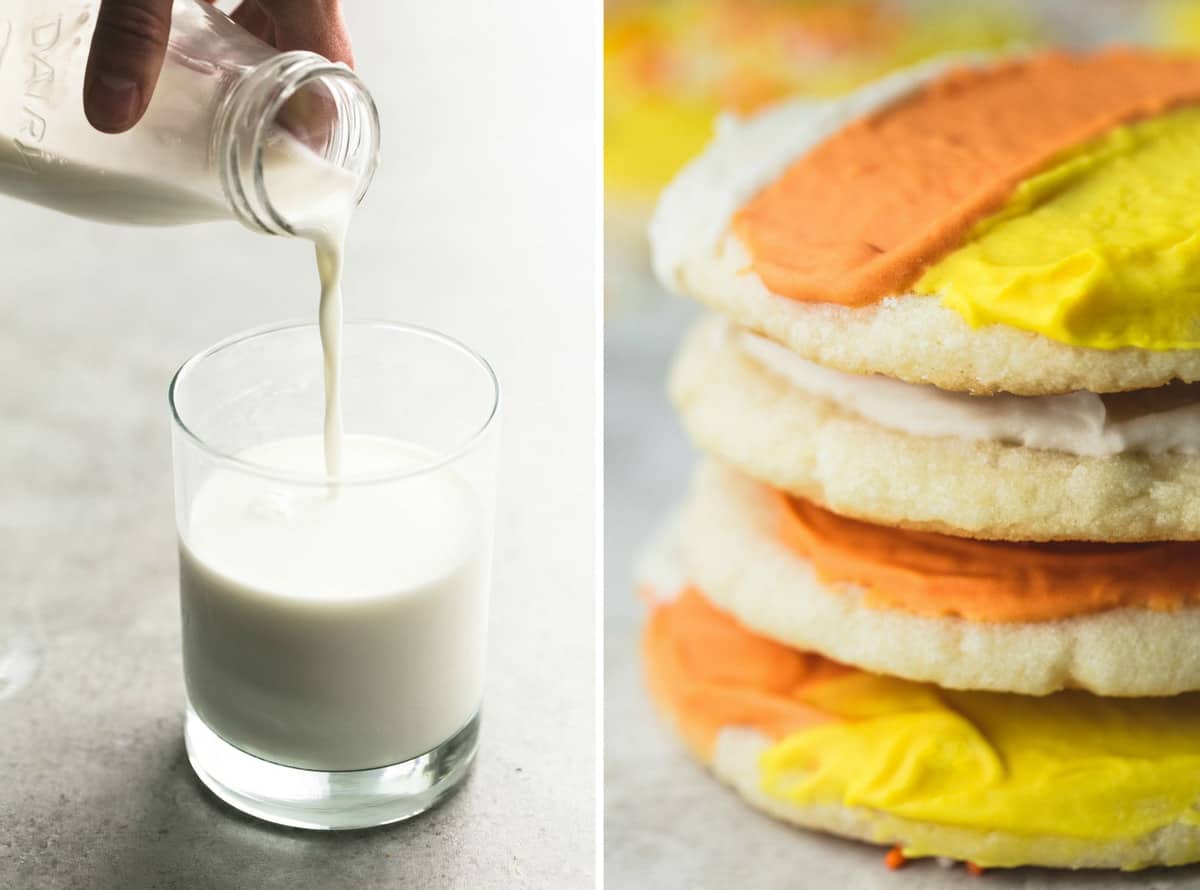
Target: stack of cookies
(937, 583)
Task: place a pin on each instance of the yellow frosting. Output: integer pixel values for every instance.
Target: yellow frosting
(1067, 765)
(1101, 250)
(1071, 770)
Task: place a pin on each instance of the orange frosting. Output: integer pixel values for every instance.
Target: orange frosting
(710, 672)
(940, 575)
(861, 216)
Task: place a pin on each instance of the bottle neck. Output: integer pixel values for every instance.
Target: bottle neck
(298, 104)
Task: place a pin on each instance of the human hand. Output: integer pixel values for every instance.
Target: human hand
(130, 43)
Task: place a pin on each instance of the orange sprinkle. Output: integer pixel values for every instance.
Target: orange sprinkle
(895, 859)
(974, 869)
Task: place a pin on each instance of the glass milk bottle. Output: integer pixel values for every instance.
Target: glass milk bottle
(230, 120)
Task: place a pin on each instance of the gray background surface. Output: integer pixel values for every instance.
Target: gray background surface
(481, 222)
(668, 824)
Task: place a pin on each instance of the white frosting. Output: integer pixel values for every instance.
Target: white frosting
(747, 154)
(1152, 421)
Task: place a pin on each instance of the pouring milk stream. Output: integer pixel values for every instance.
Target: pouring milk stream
(318, 198)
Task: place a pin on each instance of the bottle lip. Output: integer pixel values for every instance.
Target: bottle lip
(249, 112)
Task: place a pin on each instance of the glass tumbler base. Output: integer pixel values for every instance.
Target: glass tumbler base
(305, 798)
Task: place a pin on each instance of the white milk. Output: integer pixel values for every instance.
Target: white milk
(338, 630)
(83, 190)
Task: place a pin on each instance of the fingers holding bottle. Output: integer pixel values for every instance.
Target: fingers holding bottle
(128, 47)
(130, 43)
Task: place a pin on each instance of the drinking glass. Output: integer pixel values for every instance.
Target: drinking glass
(334, 629)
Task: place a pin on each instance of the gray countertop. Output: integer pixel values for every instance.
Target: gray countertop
(668, 824)
(481, 223)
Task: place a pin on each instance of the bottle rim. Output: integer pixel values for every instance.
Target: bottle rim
(248, 116)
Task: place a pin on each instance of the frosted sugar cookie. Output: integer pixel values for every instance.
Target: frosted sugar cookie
(1118, 467)
(1023, 225)
(1117, 620)
(1068, 780)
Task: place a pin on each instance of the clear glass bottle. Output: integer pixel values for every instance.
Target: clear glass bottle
(209, 141)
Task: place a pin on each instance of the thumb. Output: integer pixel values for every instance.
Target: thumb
(126, 56)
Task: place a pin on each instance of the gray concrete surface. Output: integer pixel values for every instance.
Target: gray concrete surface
(481, 223)
(668, 824)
